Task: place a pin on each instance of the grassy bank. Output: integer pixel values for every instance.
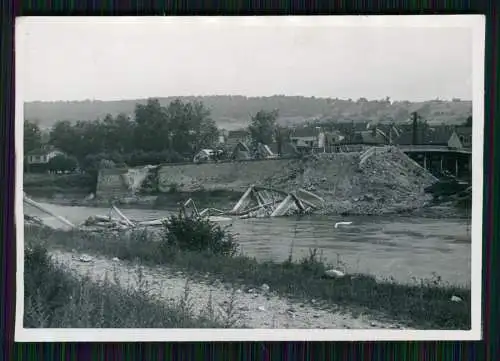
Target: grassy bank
(47, 185)
(425, 305)
(56, 298)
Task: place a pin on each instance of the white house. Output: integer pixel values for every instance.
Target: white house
(42, 156)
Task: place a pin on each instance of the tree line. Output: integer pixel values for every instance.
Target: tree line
(156, 134)
(232, 112)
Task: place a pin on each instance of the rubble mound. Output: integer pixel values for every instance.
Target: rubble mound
(379, 181)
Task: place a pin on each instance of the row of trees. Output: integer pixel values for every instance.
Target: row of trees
(156, 134)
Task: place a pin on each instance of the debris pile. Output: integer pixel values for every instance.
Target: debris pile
(377, 181)
(116, 220)
(136, 177)
(258, 202)
(32, 220)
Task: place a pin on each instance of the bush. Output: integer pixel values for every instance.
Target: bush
(62, 181)
(201, 235)
(62, 163)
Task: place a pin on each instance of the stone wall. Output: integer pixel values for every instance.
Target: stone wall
(188, 177)
(235, 176)
(110, 183)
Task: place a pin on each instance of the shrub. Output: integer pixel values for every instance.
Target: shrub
(62, 163)
(195, 234)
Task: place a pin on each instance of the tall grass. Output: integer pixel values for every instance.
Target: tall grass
(56, 298)
(426, 304)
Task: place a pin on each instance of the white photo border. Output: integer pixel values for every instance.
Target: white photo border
(477, 25)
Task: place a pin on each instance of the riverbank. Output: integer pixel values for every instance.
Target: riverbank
(60, 295)
(56, 186)
(425, 305)
(223, 200)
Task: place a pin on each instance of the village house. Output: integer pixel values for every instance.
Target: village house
(369, 137)
(233, 137)
(306, 137)
(42, 156)
(458, 138)
(465, 136)
(38, 160)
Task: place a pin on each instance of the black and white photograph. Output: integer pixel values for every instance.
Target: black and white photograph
(273, 178)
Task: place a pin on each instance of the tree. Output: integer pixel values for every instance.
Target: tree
(63, 136)
(79, 140)
(203, 129)
(62, 163)
(32, 136)
(262, 126)
(181, 127)
(152, 131)
(119, 134)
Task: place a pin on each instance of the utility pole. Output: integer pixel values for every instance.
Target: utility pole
(414, 117)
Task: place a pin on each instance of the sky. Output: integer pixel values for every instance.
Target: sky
(71, 59)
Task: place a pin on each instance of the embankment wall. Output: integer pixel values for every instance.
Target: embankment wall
(236, 176)
(110, 183)
(190, 177)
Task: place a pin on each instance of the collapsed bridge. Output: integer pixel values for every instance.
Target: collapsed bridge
(375, 181)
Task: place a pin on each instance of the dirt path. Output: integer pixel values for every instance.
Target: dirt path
(254, 308)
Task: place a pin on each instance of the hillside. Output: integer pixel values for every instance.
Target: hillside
(232, 112)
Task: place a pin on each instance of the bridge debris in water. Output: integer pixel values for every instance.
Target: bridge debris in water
(256, 202)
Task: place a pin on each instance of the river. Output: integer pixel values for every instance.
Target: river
(405, 248)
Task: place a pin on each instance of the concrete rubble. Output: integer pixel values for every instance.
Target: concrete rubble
(380, 180)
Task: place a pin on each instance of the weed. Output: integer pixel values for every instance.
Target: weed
(55, 298)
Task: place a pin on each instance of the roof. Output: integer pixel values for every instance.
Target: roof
(237, 134)
(304, 132)
(301, 142)
(43, 151)
(304, 139)
(436, 136)
(370, 137)
(463, 130)
(231, 143)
